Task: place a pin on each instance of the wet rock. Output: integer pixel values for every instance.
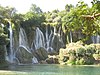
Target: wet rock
(24, 56)
(40, 54)
(56, 43)
(52, 59)
(34, 60)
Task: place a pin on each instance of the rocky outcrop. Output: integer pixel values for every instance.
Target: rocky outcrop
(52, 59)
(56, 43)
(24, 56)
(40, 54)
(3, 61)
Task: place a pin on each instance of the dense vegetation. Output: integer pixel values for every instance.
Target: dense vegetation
(74, 19)
(80, 54)
(79, 18)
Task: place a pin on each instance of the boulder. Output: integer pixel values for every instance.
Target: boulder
(40, 54)
(57, 43)
(52, 59)
(24, 56)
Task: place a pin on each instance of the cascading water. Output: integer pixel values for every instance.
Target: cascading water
(98, 38)
(45, 41)
(57, 41)
(48, 42)
(39, 40)
(10, 55)
(71, 40)
(23, 42)
(95, 39)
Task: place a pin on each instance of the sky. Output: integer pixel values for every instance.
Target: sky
(23, 6)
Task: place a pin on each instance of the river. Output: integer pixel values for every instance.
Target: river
(50, 69)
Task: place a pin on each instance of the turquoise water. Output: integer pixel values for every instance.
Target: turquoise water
(54, 70)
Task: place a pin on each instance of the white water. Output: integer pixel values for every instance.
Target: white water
(45, 40)
(71, 40)
(95, 39)
(48, 39)
(23, 42)
(10, 56)
(34, 60)
(39, 40)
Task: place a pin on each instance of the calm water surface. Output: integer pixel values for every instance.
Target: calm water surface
(53, 70)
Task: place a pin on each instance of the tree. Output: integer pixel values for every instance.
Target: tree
(68, 7)
(95, 6)
(73, 21)
(35, 9)
(7, 12)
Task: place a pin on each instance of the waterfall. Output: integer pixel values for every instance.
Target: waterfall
(39, 40)
(57, 41)
(10, 55)
(95, 39)
(11, 43)
(71, 40)
(60, 36)
(23, 42)
(48, 39)
(98, 39)
(51, 41)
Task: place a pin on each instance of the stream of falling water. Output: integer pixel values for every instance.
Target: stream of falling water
(95, 39)
(45, 41)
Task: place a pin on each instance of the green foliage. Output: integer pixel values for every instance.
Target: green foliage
(34, 17)
(90, 50)
(35, 9)
(72, 52)
(95, 6)
(2, 55)
(89, 60)
(69, 19)
(96, 56)
(7, 12)
(82, 61)
(53, 18)
(72, 60)
(78, 54)
(80, 51)
(3, 39)
(72, 19)
(68, 7)
(3, 36)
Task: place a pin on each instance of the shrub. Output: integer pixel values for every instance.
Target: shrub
(96, 56)
(97, 48)
(90, 50)
(72, 52)
(80, 51)
(82, 61)
(77, 54)
(72, 60)
(89, 60)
